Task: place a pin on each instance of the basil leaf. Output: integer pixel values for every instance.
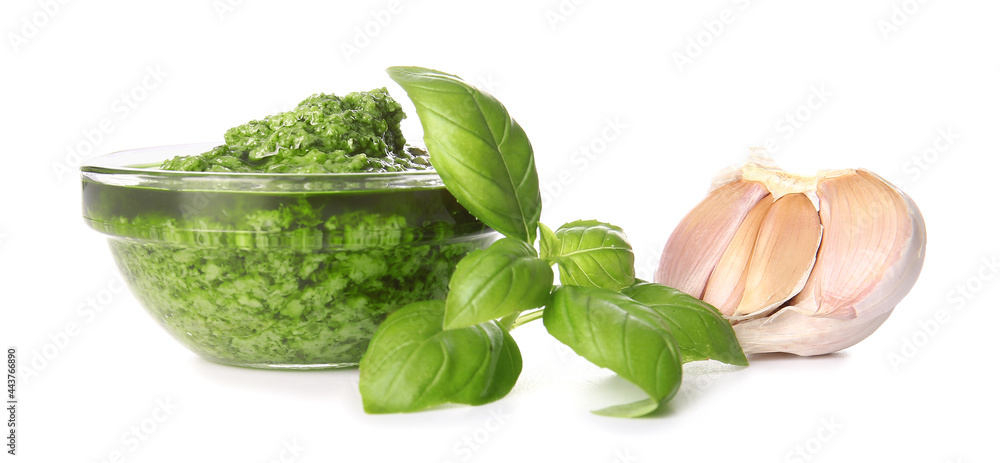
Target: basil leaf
(505, 278)
(700, 329)
(615, 332)
(483, 155)
(547, 242)
(595, 254)
(412, 363)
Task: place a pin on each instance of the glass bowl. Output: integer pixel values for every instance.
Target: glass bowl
(276, 270)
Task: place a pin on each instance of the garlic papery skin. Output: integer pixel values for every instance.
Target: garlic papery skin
(815, 275)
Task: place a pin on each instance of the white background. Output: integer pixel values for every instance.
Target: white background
(895, 75)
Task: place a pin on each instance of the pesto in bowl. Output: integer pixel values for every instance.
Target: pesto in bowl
(286, 245)
(276, 270)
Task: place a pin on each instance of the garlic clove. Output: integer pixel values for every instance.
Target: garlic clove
(699, 241)
(873, 249)
(724, 289)
(783, 255)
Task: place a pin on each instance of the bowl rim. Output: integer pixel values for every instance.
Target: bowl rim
(119, 168)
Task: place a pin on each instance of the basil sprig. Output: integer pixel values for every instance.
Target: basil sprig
(459, 350)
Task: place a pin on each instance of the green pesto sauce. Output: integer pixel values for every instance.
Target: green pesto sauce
(282, 279)
(297, 280)
(359, 132)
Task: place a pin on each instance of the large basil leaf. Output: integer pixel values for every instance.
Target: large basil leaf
(700, 329)
(592, 253)
(617, 333)
(412, 363)
(482, 154)
(505, 278)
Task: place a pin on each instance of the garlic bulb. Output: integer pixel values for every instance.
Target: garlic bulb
(805, 265)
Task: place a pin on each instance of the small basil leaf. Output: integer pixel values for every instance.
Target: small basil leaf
(548, 243)
(700, 329)
(412, 363)
(595, 254)
(503, 279)
(483, 155)
(615, 332)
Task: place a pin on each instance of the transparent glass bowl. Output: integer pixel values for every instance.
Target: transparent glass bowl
(276, 270)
